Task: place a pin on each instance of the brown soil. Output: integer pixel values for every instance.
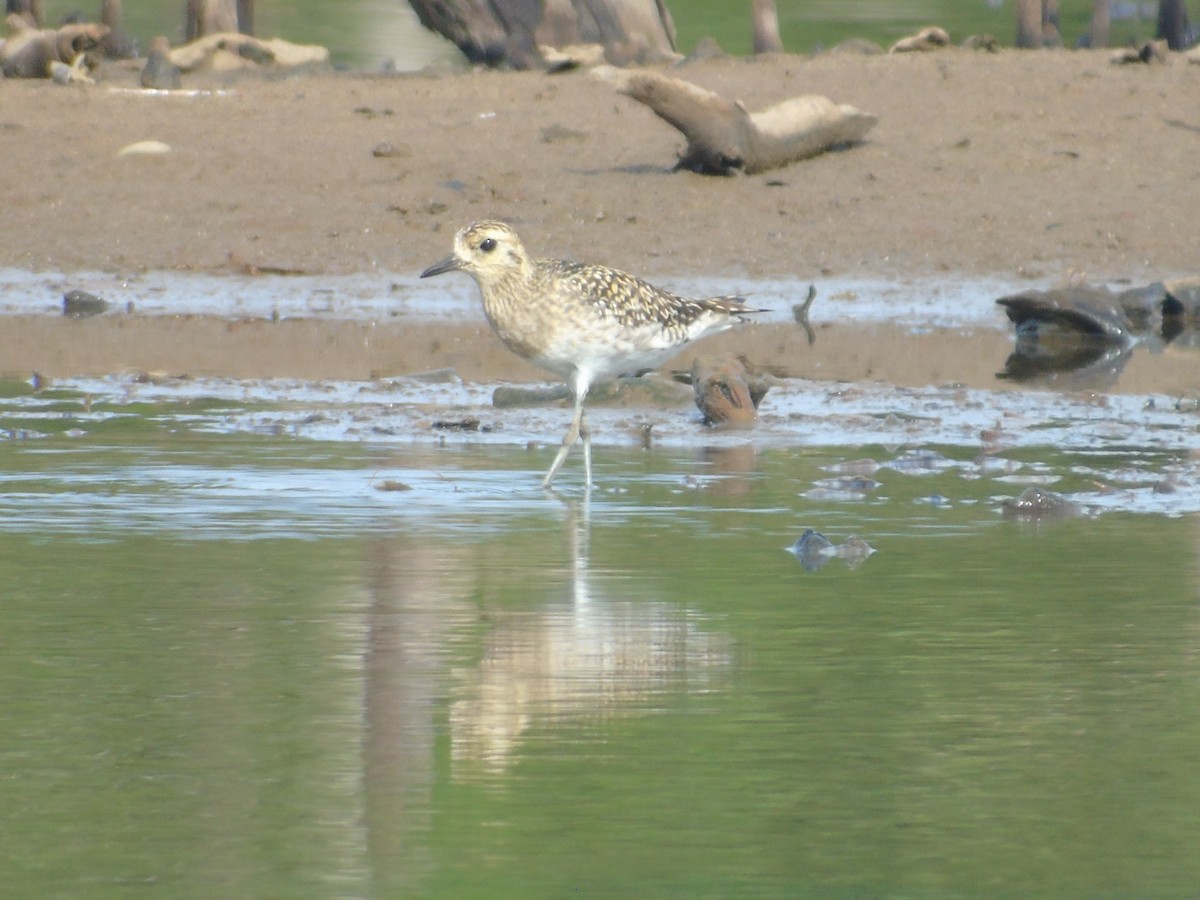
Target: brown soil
(1046, 165)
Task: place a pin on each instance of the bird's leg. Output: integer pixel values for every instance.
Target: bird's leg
(578, 426)
(585, 432)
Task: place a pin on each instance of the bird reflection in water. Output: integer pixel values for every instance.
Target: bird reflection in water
(607, 647)
(599, 644)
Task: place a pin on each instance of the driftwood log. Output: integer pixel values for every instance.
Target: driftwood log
(1096, 313)
(31, 52)
(724, 138)
(515, 33)
(228, 51)
(1082, 336)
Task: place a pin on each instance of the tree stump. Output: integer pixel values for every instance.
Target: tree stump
(513, 33)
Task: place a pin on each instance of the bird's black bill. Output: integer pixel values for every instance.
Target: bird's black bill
(449, 264)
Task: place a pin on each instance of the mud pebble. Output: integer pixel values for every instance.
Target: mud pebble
(82, 305)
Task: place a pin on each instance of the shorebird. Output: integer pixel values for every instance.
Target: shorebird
(585, 323)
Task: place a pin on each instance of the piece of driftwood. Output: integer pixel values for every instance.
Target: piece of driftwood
(1096, 313)
(512, 33)
(31, 52)
(725, 138)
(230, 50)
(1082, 336)
(931, 38)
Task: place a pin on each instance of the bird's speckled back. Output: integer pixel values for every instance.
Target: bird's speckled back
(565, 315)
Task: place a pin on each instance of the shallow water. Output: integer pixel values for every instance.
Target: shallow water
(381, 295)
(288, 636)
(253, 664)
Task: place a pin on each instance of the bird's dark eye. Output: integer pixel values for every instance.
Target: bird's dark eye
(487, 245)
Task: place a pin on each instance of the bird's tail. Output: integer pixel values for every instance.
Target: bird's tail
(732, 306)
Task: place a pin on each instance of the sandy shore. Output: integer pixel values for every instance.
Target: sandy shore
(1015, 166)
(1026, 164)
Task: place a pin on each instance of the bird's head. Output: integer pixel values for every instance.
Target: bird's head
(486, 250)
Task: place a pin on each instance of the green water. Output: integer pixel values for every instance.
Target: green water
(351, 28)
(233, 666)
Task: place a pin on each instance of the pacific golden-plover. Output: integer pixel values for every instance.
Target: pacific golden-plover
(585, 323)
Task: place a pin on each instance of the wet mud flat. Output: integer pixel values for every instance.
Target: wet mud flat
(902, 333)
(910, 237)
(891, 369)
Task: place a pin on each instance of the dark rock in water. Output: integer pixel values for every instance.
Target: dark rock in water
(814, 550)
(811, 541)
(81, 305)
(1037, 503)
